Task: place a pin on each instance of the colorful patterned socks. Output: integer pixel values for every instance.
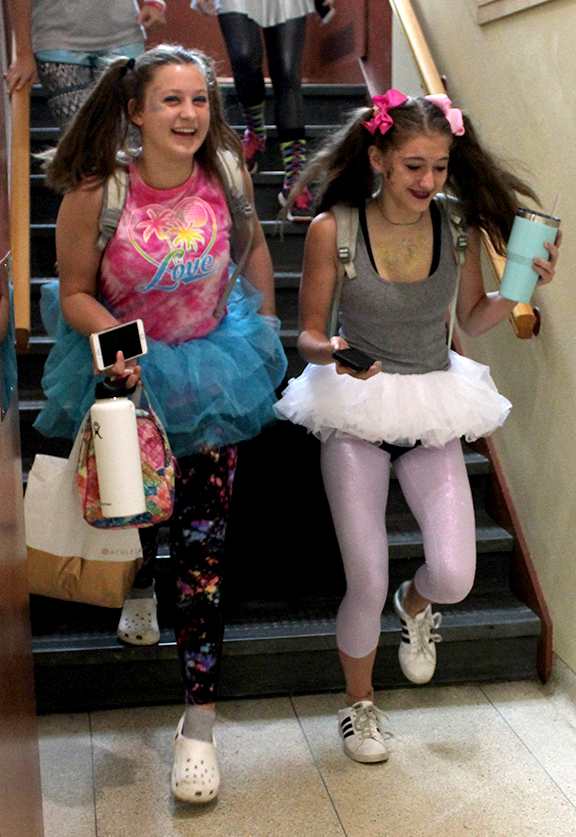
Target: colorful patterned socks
(294, 159)
(255, 120)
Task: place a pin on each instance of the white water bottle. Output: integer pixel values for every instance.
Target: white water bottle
(117, 451)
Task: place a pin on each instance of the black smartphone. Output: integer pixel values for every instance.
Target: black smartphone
(353, 359)
(129, 339)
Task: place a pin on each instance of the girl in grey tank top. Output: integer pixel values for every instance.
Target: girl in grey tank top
(413, 399)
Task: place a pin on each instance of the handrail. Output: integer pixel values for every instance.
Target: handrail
(20, 213)
(523, 318)
(431, 79)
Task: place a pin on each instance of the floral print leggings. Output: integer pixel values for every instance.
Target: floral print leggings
(197, 533)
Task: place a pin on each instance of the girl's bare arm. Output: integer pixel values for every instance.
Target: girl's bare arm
(317, 289)
(479, 311)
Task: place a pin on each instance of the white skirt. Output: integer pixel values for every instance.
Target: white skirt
(265, 12)
(432, 408)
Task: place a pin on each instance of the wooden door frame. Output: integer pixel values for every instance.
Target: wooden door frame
(20, 783)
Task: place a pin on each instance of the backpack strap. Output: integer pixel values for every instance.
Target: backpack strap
(242, 213)
(113, 200)
(240, 207)
(459, 233)
(241, 210)
(346, 234)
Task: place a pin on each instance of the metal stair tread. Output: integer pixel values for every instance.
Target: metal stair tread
(312, 131)
(490, 537)
(44, 133)
(510, 619)
(276, 229)
(269, 602)
(271, 227)
(38, 342)
(283, 279)
(287, 279)
(268, 636)
(456, 626)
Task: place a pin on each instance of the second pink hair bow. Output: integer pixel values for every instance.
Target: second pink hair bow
(381, 120)
(453, 115)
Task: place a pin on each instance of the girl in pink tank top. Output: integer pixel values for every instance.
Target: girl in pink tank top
(211, 377)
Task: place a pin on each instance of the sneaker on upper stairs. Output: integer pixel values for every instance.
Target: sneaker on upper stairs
(253, 146)
(361, 730)
(417, 652)
(301, 209)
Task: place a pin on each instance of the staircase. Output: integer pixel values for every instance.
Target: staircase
(284, 578)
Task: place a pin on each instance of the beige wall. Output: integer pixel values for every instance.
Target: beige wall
(516, 78)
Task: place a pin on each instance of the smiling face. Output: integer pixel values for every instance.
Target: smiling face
(175, 116)
(412, 174)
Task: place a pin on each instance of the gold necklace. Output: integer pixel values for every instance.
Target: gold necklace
(399, 223)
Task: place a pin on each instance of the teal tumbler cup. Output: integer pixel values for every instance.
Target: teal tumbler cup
(529, 232)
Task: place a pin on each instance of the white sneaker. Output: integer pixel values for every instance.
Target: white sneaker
(195, 775)
(417, 652)
(360, 728)
(138, 623)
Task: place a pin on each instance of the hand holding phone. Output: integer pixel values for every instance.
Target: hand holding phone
(354, 359)
(128, 338)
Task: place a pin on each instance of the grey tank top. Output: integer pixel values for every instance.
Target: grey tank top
(402, 324)
(84, 25)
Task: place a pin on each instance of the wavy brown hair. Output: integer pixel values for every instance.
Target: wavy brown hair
(486, 189)
(90, 146)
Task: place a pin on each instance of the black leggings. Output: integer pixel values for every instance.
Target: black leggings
(284, 45)
(197, 535)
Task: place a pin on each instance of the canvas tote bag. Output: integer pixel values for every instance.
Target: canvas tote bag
(68, 558)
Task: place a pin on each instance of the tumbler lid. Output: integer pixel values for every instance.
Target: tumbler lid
(538, 217)
(110, 389)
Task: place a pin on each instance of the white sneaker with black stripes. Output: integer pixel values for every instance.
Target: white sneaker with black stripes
(417, 652)
(361, 731)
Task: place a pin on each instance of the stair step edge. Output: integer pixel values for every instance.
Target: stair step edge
(283, 637)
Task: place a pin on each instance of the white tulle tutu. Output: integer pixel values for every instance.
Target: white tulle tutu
(399, 409)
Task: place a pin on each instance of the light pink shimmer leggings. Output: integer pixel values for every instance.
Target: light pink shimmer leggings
(435, 484)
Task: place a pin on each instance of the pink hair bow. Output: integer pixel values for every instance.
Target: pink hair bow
(381, 120)
(453, 115)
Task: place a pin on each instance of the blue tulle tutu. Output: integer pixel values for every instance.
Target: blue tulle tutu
(8, 362)
(211, 391)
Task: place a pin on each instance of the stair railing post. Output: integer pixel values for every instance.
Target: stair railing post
(20, 213)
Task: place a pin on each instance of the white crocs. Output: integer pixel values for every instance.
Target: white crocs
(138, 623)
(195, 775)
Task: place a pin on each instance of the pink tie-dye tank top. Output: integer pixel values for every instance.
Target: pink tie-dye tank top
(168, 261)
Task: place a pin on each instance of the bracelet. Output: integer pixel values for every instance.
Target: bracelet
(160, 4)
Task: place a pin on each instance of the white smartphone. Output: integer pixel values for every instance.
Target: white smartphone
(128, 338)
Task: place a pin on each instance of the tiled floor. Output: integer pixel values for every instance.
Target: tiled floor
(467, 761)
